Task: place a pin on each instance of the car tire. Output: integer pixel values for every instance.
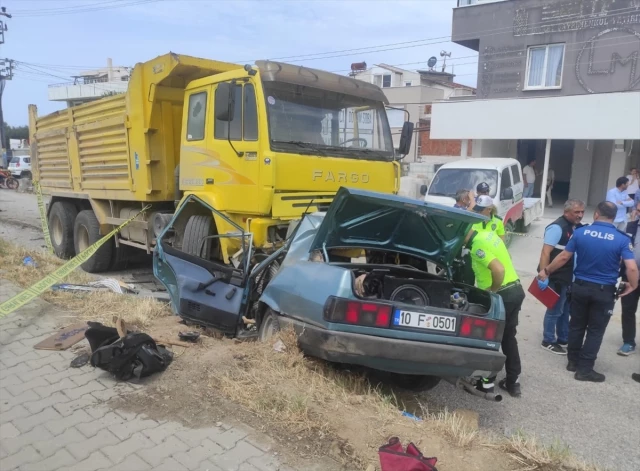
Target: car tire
(61, 224)
(508, 233)
(269, 325)
(198, 227)
(415, 383)
(86, 232)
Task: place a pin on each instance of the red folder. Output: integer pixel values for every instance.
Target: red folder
(547, 296)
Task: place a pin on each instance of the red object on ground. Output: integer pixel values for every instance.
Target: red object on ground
(547, 296)
(394, 458)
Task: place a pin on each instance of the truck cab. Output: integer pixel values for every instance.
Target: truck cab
(504, 177)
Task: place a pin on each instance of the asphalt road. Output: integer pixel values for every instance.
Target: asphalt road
(599, 422)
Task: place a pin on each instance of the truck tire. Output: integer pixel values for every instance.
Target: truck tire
(120, 257)
(86, 231)
(61, 220)
(197, 228)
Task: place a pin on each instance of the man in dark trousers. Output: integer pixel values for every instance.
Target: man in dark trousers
(494, 271)
(598, 248)
(555, 334)
(630, 302)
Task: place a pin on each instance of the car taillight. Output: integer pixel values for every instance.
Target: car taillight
(347, 311)
(476, 328)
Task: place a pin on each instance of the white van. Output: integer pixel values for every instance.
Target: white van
(504, 177)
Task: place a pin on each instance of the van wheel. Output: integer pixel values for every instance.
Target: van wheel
(508, 236)
(520, 227)
(198, 227)
(86, 232)
(61, 220)
(269, 325)
(414, 382)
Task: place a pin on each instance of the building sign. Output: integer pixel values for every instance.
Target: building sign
(578, 15)
(501, 70)
(615, 70)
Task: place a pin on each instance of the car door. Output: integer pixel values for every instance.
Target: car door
(505, 183)
(203, 290)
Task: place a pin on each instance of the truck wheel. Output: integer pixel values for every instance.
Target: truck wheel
(269, 325)
(508, 236)
(414, 382)
(198, 227)
(86, 231)
(61, 219)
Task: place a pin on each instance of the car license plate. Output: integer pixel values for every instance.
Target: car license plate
(421, 320)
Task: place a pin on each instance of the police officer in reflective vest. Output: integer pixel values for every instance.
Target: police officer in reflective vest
(598, 248)
(484, 205)
(555, 334)
(494, 271)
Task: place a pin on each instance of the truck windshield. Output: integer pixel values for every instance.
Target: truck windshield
(449, 180)
(308, 120)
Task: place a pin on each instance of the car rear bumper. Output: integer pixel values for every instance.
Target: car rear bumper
(394, 355)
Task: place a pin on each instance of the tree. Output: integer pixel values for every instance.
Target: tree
(15, 132)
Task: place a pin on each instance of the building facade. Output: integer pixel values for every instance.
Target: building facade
(91, 85)
(413, 92)
(558, 81)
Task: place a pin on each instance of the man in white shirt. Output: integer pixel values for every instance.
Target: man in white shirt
(620, 198)
(632, 189)
(529, 174)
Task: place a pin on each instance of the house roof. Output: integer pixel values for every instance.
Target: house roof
(392, 68)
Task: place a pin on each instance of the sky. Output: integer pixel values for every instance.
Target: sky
(54, 39)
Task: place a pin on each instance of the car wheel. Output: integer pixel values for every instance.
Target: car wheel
(508, 233)
(86, 232)
(414, 382)
(269, 325)
(61, 220)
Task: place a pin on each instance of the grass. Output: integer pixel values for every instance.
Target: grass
(302, 395)
(99, 306)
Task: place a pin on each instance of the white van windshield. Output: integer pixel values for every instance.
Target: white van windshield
(449, 180)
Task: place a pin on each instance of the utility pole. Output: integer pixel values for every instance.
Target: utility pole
(6, 73)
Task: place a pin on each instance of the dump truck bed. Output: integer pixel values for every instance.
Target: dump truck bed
(122, 147)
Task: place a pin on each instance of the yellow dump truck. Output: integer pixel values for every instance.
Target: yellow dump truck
(261, 144)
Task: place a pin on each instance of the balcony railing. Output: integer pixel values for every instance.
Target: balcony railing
(468, 3)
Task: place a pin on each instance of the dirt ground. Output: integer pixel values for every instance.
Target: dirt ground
(310, 419)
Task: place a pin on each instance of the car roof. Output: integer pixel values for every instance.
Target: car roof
(492, 163)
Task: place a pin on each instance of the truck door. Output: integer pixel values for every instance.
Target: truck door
(235, 142)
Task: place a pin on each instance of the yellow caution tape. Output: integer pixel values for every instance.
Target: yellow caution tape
(520, 234)
(60, 274)
(43, 216)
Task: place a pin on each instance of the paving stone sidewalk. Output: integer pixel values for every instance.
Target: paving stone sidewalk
(53, 417)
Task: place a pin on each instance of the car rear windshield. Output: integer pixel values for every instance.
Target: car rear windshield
(15, 160)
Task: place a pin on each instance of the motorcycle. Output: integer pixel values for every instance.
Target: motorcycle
(7, 180)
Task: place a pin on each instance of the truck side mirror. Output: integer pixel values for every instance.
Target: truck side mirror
(423, 189)
(225, 101)
(507, 194)
(405, 138)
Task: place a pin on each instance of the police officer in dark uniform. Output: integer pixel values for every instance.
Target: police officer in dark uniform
(482, 189)
(598, 248)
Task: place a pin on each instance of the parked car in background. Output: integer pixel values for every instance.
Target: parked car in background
(354, 284)
(20, 166)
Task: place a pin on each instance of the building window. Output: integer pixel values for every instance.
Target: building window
(407, 84)
(382, 81)
(544, 67)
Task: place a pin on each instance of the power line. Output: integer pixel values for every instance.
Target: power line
(83, 9)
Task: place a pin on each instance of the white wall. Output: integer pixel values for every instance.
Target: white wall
(598, 183)
(581, 170)
(92, 90)
(597, 116)
(397, 79)
(493, 148)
